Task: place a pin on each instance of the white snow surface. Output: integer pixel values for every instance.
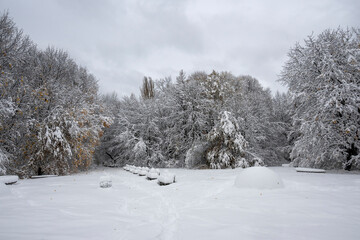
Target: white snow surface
(203, 204)
(258, 178)
(8, 179)
(105, 182)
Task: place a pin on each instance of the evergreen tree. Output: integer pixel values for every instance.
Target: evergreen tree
(228, 146)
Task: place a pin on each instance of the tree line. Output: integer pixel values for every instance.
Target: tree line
(54, 121)
(217, 120)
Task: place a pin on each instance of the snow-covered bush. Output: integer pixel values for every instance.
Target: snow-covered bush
(105, 182)
(227, 144)
(258, 178)
(166, 178)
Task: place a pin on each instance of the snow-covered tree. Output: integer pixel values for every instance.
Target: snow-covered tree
(44, 97)
(228, 146)
(324, 77)
(3, 162)
(140, 152)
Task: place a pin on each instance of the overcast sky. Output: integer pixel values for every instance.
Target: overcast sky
(121, 41)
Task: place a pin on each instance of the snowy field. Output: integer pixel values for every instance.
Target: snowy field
(202, 204)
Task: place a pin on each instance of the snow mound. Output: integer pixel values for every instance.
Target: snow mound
(152, 174)
(258, 178)
(166, 178)
(10, 179)
(310, 170)
(105, 182)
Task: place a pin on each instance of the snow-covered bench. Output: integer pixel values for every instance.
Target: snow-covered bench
(43, 176)
(152, 174)
(143, 172)
(166, 178)
(310, 170)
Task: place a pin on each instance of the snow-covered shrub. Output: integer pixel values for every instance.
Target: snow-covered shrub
(258, 178)
(166, 178)
(227, 144)
(105, 182)
(152, 174)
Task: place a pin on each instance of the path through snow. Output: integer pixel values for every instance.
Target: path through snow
(202, 204)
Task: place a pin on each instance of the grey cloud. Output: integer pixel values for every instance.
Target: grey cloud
(121, 41)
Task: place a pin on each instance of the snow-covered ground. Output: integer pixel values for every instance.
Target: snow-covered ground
(202, 204)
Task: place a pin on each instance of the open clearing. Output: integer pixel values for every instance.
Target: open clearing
(202, 204)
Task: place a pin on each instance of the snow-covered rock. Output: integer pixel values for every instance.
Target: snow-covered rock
(258, 178)
(152, 174)
(105, 182)
(10, 179)
(310, 170)
(166, 178)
